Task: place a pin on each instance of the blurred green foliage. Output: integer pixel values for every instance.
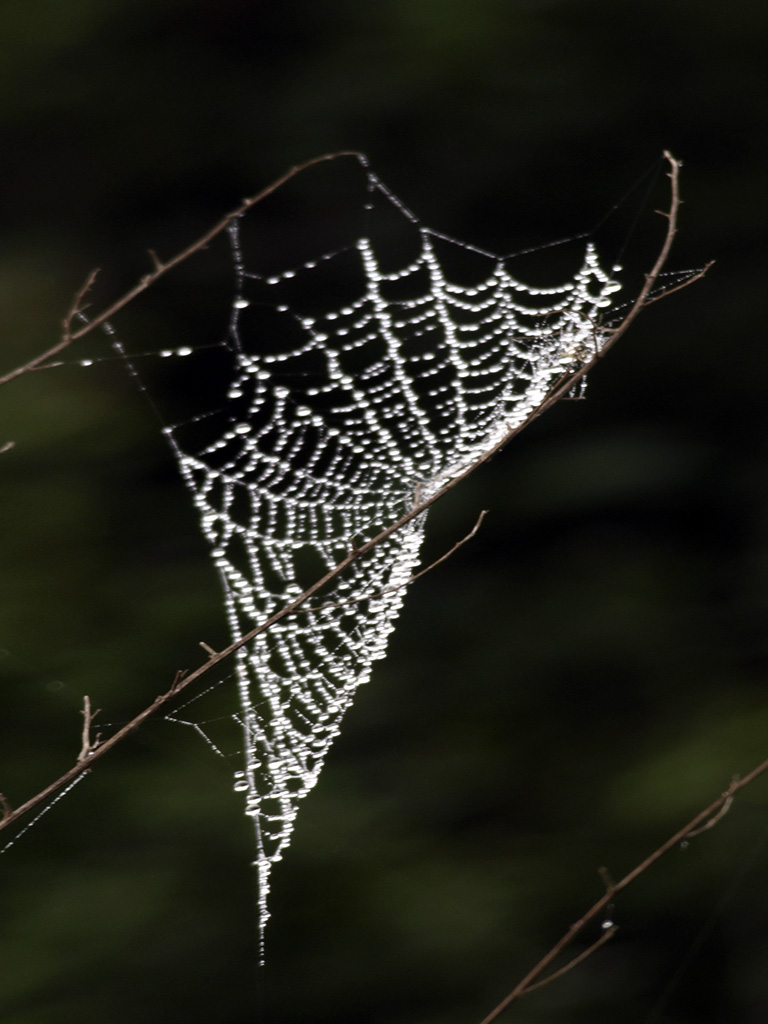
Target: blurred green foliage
(562, 695)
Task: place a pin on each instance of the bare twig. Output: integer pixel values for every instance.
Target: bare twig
(710, 815)
(67, 337)
(160, 268)
(607, 934)
(396, 586)
(560, 388)
(77, 306)
(96, 753)
(721, 813)
(452, 551)
(696, 276)
(88, 745)
(661, 260)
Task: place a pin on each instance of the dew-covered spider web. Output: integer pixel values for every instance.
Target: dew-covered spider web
(363, 381)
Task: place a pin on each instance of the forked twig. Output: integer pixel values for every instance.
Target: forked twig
(88, 744)
(607, 934)
(159, 269)
(67, 336)
(721, 813)
(397, 586)
(703, 820)
(695, 276)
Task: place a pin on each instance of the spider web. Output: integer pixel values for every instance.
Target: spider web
(344, 413)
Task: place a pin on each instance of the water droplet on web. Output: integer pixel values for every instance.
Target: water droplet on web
(240, 784)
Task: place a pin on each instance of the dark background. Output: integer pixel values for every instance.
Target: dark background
(573, 686)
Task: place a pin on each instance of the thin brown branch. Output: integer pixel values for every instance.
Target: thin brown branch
(453, 550)
(77, 306)
(605, 937)
(697, 276)
(85, 765)
(661, 260)
(710, 815)
(721, 813)
(396, 586)
(88, 744)
(159, 269)
(67, 336)
(561, 388)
